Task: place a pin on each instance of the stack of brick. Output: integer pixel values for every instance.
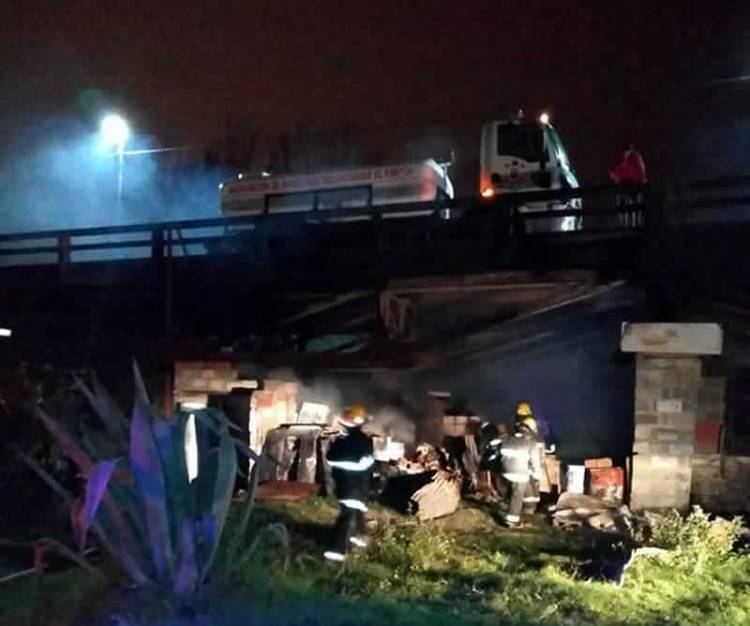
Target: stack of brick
(721, 483)
(272, 406)
(198, 378)
(460, 425)
(665, 403)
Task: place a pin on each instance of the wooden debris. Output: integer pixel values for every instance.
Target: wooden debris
(437, 498)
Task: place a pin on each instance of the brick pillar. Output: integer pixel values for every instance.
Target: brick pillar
(666, 397)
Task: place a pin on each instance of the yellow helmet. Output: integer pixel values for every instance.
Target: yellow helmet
(530, 423)
(354, 415)
(523, 409)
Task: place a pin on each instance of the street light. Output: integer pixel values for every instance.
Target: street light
(114, 131)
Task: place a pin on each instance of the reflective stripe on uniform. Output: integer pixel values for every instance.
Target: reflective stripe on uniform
(531, 499)
(516, 477)
(514, 453)
(513, 519)
(334, 556)
(351, 503)
(354, 466)
(496, 442)
(359, 542)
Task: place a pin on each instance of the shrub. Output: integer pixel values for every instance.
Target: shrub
(695, 539)
(411, 547)
(140, 503)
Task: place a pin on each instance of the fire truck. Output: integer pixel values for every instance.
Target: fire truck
(516, 155)
(324, 193)
(520, 155)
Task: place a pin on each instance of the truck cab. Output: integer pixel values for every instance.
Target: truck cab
(527, 155)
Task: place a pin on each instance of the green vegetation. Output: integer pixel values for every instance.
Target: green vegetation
(52, 600)
(466, 570)
(463, 570)
(162, 527)
(694, 540)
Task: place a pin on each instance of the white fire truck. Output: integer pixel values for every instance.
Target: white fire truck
(325, 192)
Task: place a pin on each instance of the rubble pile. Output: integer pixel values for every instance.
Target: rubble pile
(427, 485)
(579, 511)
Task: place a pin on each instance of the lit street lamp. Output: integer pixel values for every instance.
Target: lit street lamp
(115, 133)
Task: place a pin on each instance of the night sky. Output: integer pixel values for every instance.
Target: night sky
(185, 71)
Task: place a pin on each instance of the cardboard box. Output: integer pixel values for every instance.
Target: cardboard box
(575, 478)
(606, 483)
(550, 475)
(597, 463)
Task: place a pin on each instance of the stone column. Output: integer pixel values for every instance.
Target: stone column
(665, 404)
(668, 381)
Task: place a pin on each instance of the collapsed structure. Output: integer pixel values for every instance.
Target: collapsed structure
(668, 454)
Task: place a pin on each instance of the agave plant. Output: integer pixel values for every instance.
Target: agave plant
(140, 502)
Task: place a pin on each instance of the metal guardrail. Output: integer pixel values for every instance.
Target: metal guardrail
(603, 212)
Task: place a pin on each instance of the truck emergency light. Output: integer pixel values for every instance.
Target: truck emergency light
(5, 332)
(488, 192)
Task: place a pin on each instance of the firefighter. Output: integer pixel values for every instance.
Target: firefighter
(351, 457)
(525, 419)
(491, 438)
(519, 462)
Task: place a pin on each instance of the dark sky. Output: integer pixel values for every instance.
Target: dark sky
(183, 69)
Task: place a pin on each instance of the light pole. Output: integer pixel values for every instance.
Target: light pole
(115, 132)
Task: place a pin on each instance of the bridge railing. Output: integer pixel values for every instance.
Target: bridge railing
(604, 211)
(712, 201)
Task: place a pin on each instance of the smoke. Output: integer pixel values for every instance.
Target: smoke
(392, 415)
(59, 176)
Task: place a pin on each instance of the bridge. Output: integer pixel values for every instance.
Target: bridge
(273, 283)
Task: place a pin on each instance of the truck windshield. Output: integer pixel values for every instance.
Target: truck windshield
(523, 141)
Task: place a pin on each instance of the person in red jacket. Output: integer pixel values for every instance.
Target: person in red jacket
(629, 169)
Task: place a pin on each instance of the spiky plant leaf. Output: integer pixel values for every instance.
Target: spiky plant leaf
(186, 577)
(211, 419)
(67, 443)
(106, 409)
(145, 463)
(96, 487)
(214, 494)
(170, 437)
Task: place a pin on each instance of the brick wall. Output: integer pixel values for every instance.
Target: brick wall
(276, 404)
(721, 483)
(194, 379)
(666, 399)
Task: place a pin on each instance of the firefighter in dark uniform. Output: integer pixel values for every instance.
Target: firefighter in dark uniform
(525, 418)
(516, 460)
(351, 457)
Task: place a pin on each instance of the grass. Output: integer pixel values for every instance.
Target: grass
(463, 570)
(466, 570)
(52, 600)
